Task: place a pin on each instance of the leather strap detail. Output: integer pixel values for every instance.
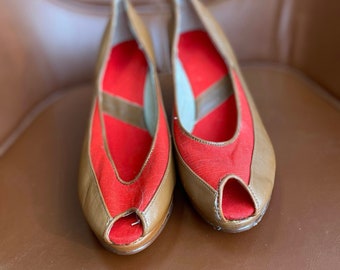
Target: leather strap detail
(213, 97)
(123, 110)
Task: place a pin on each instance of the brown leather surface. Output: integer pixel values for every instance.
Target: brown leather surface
(42, 226)
(45, 46)
(316, 41)
(301, 33)
(50, 46)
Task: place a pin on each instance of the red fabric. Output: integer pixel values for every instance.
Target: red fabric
(126, 230)
(220, 124)
(125, 77)
(213, 163)
(236, 201)
(201, 60)
(219, 161)
(120, 197)
(129, 146)
(126, 72)
(204, 67)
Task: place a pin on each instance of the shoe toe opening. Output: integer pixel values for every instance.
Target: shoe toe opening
(237, 203)
(126, 229)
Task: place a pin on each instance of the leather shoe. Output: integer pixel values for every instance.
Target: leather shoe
(126, 175)
(225, 157)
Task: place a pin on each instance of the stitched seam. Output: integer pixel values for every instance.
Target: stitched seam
(218, 204)
(162, 184)
(88, 154)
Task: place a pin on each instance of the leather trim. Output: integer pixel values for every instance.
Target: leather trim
(213, 97)
(140, 31)
(123, 110)
(202, 196)
(160, 204)
(90, 196)
(263, 166)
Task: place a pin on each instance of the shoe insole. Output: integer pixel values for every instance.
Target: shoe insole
(125, 77)
(126, 230)
(205, 67)
(236, 202)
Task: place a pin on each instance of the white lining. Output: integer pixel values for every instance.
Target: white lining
(186, 107)
(122, 31)
(150, 104)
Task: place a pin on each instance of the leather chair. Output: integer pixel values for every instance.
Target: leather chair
(289, 50)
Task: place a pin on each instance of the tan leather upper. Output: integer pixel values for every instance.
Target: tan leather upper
(207, 200)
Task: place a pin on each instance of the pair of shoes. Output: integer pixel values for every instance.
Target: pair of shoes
(224, 155)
